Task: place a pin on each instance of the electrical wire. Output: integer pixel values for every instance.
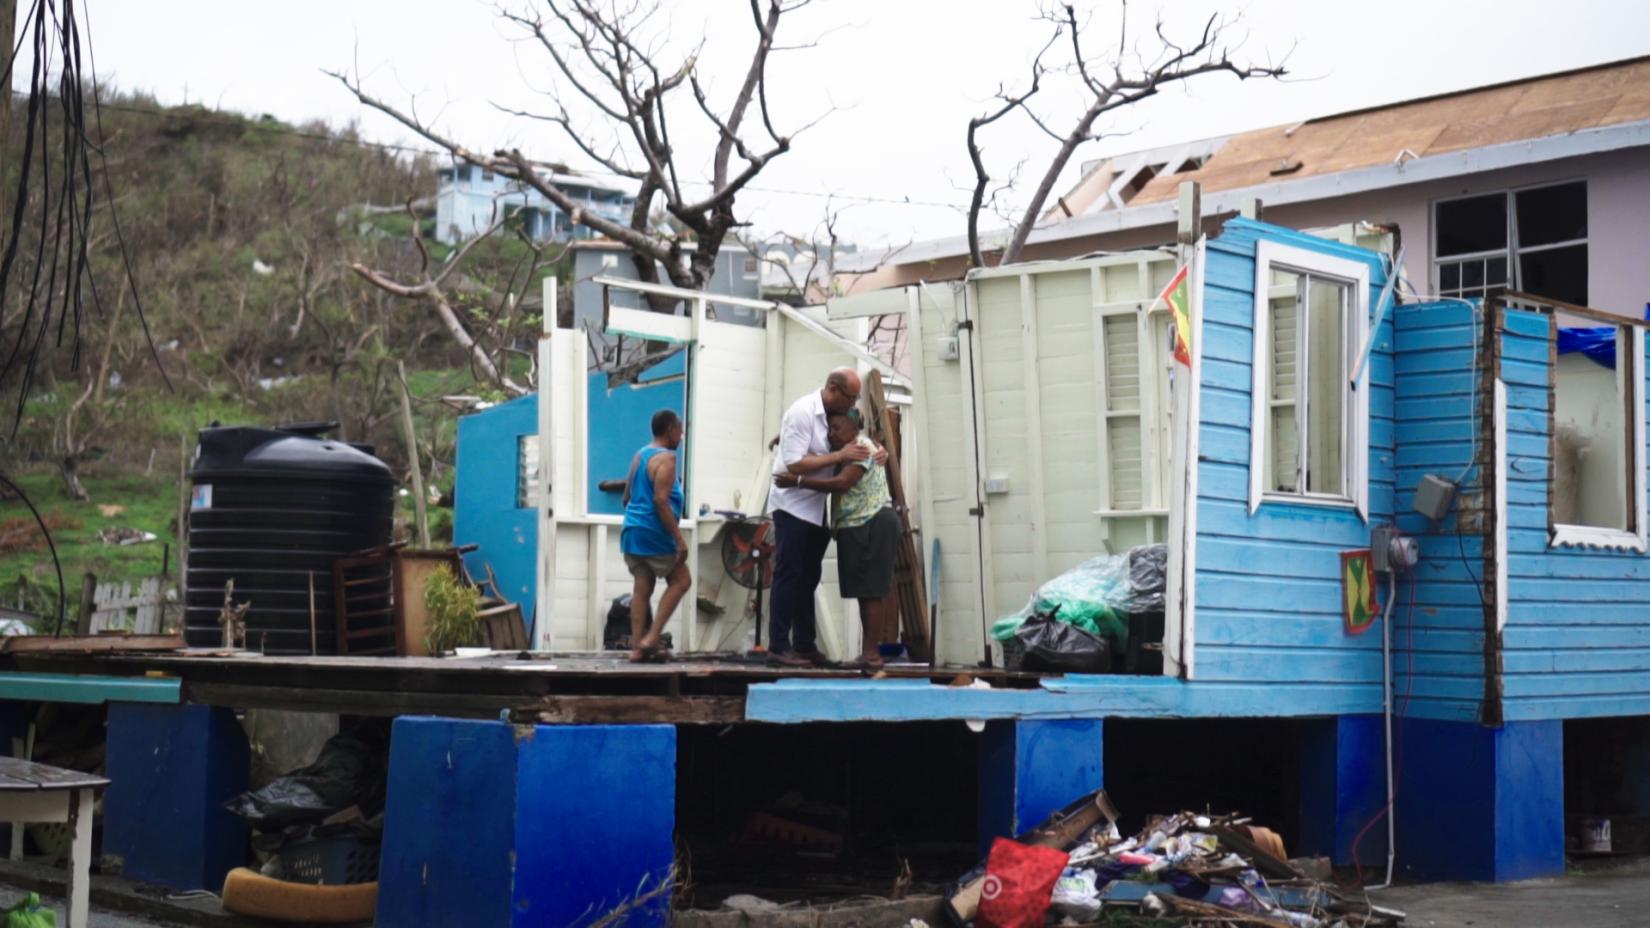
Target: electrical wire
(62, 595)
(278, 128)
(62, 221)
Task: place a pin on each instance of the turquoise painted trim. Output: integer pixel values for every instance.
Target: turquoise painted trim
(88, 688)
(1071, 697)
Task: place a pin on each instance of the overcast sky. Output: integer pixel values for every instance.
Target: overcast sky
(899, 78)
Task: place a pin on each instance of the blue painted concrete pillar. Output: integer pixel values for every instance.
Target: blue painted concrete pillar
(449, 824)
(171, 769)
(1031, 768)
(1479, 803)
(490, 825)
(1343, 788)
(595, 823)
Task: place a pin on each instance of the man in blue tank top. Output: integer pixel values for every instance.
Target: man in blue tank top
(651, 539)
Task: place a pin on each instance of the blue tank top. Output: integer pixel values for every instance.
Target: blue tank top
(643, 534)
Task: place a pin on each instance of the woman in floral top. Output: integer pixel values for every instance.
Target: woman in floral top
(867, 531)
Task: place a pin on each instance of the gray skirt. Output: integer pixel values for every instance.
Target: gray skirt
(865, 556)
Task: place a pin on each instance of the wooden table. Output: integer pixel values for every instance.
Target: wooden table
(31, 792)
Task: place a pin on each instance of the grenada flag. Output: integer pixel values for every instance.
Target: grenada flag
(1178, 294)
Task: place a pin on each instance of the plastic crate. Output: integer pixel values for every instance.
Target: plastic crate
(1013, 653)
(330, 861)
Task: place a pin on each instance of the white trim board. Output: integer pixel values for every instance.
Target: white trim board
(1356, 273)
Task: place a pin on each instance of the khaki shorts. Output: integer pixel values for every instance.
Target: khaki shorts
(644, 565)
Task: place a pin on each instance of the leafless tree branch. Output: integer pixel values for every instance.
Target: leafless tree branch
(1127, 85)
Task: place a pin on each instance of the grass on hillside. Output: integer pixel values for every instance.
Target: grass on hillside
(153, 419)
(149, 504)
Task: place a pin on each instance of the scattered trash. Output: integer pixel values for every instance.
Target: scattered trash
(1019, 880)
(1195, 870)
(750, 905)
(348, 772)
(120, 535)
(29, 913)
(110, 510)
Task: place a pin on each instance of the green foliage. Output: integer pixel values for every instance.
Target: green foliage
(148, 504)
(454, 608)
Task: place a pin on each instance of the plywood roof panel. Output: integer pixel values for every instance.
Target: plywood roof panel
(1553, 104)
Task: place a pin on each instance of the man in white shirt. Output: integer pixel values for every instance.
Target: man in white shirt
(801, 528)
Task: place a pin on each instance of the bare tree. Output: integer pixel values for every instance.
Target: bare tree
(1107, 86)
(488, 361)
(607, 68)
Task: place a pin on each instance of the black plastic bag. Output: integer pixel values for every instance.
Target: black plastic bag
(349, 772)
(616, 631)
(1052, 646)
(1148, 573)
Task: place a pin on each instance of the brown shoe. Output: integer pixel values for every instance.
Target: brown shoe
(789, 659)
(816, 659)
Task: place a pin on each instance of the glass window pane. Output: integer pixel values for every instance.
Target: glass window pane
(1472, 273)
(1326, 385)
(1471, 225)
(1449, 276)
(1589, 481)
(1552, 214)
(1281, 463)
(1557, 273)
(1495, 271)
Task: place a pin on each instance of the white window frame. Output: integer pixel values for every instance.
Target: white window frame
(1155, 357)
(1513, 250)
(1593, 536)
(1355, 460)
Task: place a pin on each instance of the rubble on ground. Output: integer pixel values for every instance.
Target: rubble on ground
(1185, 869)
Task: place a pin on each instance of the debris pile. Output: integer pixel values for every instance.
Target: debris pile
(1196, 870)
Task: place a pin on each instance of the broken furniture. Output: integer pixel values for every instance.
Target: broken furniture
(31, 792)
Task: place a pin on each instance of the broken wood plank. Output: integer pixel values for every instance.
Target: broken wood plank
(912, 593)
(614, 710)
(91, 644)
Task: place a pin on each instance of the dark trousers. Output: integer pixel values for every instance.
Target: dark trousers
(799, 556)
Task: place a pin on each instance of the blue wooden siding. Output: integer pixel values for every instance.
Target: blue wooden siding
(1268, 585)
(485, 513)
(1577, 638)
(1438, 624)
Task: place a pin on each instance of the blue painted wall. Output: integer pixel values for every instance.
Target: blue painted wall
(171, 769)
(620, 422)
(595, 820)
(1576, 642)
(449, 824)
(1343, 789)
(484, 499)
(1438, 626)
(1031, 768)
(485, 510)
(1268, 585)
(1479, 803)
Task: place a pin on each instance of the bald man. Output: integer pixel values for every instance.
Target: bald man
(799, 516)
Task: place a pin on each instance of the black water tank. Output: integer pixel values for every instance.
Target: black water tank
(268, 508)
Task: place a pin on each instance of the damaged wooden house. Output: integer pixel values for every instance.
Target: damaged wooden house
(1396, 469)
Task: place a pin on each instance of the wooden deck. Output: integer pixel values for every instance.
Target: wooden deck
(585, 687)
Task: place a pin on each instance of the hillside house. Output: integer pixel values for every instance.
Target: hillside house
(468, 200)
